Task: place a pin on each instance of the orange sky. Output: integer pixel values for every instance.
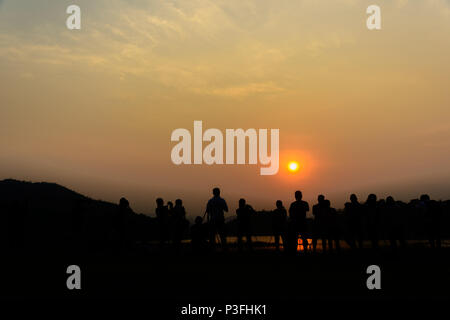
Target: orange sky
(94, 109)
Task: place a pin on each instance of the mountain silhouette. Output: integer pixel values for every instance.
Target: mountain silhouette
(43, 216)
(45, 227)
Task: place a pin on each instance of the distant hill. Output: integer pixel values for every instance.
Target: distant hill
(48, 214)
(50, 200)
(10, 188)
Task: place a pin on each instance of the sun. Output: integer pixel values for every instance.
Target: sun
(293, 166)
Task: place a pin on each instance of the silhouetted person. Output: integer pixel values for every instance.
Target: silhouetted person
(215, 209)
(432, 220)
(297, 215)
(244, 214)
(333, 226)
(170, 222)
(179, 223)
(170, 217)
(320, 223)
(162, 216)
(354, 214)
(373, 219)
(170, 207)
(394, 222)
(279, 224)
(199, 236)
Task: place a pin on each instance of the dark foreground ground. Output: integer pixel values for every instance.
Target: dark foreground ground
(264, 274)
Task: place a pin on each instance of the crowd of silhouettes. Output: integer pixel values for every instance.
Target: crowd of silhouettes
(172, 223)
(360, 224)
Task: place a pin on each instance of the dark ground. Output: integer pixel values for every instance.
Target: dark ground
(288, 285)
(418, 272)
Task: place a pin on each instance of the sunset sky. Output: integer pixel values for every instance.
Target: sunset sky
(93, 109)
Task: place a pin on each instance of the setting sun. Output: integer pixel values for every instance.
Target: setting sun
(293, 166)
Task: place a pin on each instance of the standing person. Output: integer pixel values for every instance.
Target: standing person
(170, 220)
(178, 223)
(319, 224)
(199, 236)
(297, 216)
(394, 222)
(244, 213)
(169, 207)
(162, 216)
(332, 226)
(432, 222)
(215, 214)
(279, 221)
(354, 215)
(373, 219)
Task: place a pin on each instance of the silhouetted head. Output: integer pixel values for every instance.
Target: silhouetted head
(178, 202)
(279, 204)
(241, 203)
(326, 203)
(123, 203)
(353, 198)
(320, 198)
(198, 220)
(390, 200)
(424, 198)
(159, 202)
(298, 195)
(216, 192)
(372, 199)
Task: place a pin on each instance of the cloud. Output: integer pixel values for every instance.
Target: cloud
(442, 5)
(245, 90)
(215, 47)
(198, 46)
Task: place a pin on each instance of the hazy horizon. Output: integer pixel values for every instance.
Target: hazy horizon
(93, 109)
